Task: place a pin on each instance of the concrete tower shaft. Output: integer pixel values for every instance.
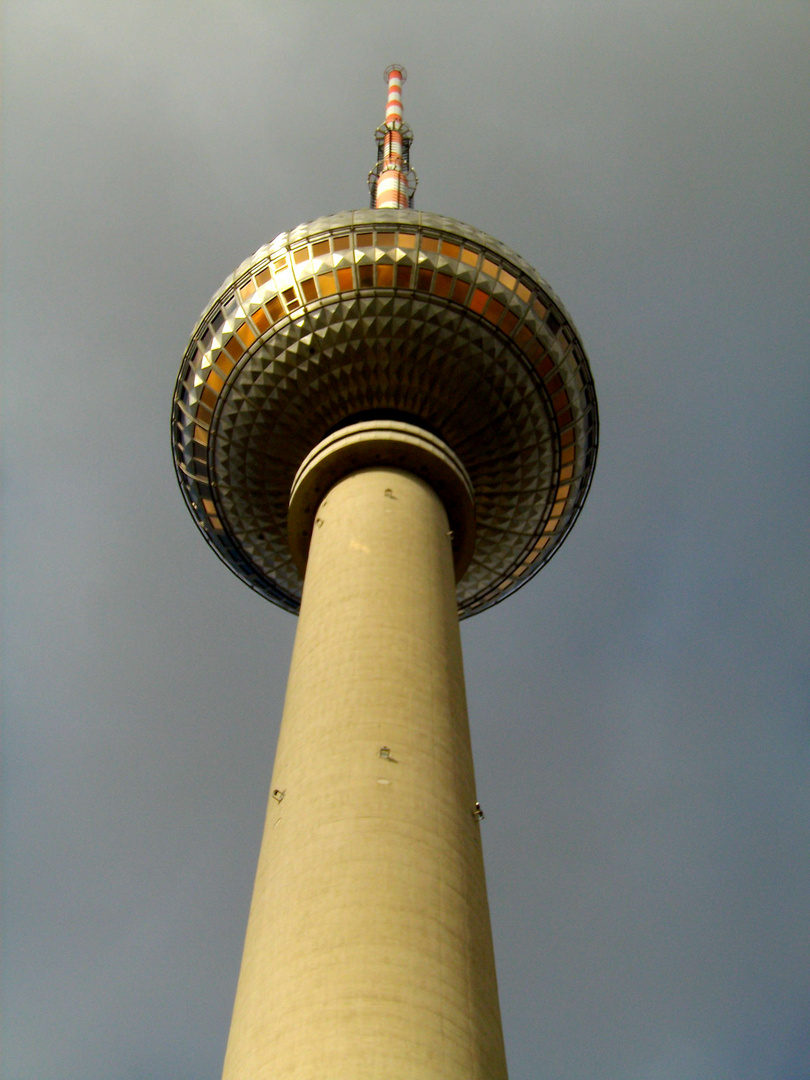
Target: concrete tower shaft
(368, 951)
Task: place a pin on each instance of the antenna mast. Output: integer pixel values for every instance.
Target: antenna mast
(392, 182)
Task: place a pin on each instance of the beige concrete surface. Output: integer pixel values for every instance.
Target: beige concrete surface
(368, 953)
(372, 443)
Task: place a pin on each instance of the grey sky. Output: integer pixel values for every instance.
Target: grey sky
(640, 711)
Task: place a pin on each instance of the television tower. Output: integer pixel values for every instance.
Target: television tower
(385, 420)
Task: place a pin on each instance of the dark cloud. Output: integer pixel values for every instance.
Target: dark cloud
(639, 711)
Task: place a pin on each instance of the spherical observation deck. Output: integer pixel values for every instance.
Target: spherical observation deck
(386, 313)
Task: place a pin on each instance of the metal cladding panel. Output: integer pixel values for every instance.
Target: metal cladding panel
(386, 309)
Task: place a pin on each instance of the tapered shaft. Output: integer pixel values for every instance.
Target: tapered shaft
(369, 951)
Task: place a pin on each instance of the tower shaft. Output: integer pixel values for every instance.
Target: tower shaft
(368, 950)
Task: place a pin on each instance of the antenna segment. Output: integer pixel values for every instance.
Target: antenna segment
(392, 182)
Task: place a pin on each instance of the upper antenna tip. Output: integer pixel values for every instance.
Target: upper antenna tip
(395, 67)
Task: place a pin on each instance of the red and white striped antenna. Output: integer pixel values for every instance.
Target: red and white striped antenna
(392, 181)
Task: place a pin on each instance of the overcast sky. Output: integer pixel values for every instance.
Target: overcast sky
(639, 711)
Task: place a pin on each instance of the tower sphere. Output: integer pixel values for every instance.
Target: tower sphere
(397, 315)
